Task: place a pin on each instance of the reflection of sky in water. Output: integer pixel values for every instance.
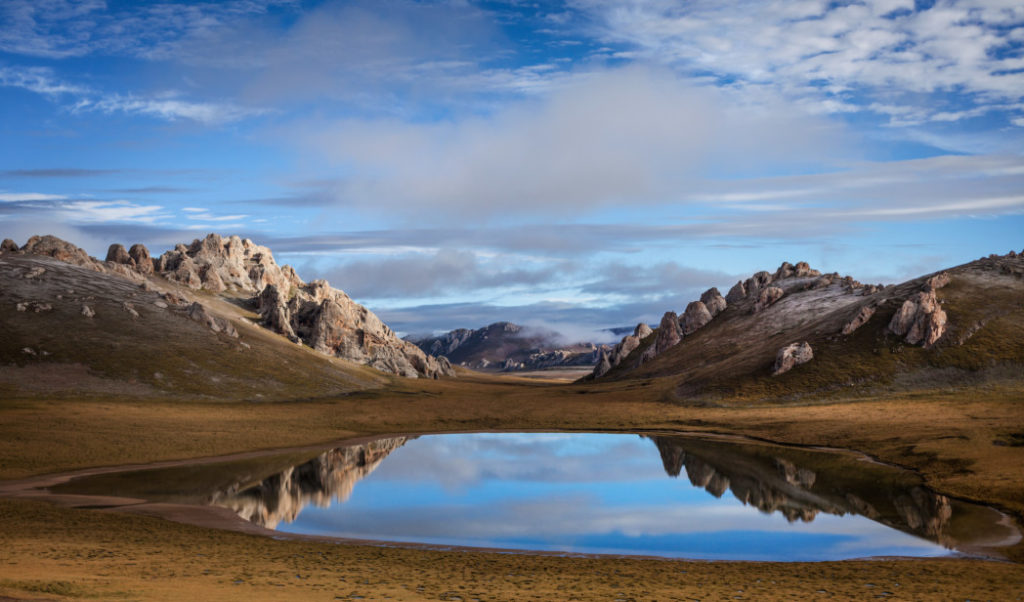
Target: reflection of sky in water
(586, 493)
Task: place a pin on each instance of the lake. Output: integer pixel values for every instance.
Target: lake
(682, 496)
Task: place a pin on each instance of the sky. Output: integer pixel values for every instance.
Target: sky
(576, 165)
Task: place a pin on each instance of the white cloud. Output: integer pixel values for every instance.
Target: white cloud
(167, 106)
(603, 139)
(817, 49)
(29, 196)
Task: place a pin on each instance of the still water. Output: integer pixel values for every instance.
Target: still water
(674, 496)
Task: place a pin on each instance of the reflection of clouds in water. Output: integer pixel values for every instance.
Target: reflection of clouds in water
(567, 517)
(465, 460)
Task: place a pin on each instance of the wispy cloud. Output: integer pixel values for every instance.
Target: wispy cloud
(168, 106)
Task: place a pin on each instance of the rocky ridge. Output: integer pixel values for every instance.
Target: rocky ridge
(315, 314)
(833, 332)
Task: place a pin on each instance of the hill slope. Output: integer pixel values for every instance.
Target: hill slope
(965, 324)
(198, 321)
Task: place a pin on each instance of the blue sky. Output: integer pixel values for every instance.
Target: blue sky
(576, 164)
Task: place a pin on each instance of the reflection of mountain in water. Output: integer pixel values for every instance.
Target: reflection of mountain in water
(760, 477)
(330, 476)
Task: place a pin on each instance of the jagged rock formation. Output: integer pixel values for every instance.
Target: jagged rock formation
(330, 476)
(509, 347)
(8, 246)
(609, 359)
(324, 318)
(713, 301)
(695, 317)
(329, 321)
(921, 319)
(792, 355)
(669, 334)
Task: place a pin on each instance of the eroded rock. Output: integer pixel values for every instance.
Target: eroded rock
(767, 298)
(920, 320)
(198, 313)
(737, 293)
(792, 355)
(695, 317)
(116, 253)
(714, 301)
(143, 262)
(8, 246)
(859, 320)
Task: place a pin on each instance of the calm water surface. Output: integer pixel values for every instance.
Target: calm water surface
(675, 496)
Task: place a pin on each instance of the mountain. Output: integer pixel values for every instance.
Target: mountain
(206, 318)
(795, 331)
(509, 347)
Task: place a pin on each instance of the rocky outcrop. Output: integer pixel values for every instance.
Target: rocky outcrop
(695, 317)
(118, 254)
(330, 322)
(859, 320)
(737, 293)
(669, 335)
(792, 355)
(920, 320)
(316, 314)
(51, 246)
(218, 264)
(8, 246)
(141, 259)
(609, 359)
(713, 301)
(767, 297)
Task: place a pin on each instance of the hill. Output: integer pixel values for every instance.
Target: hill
(797, 332)
(218, 318)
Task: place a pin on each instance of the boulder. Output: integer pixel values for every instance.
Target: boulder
(714, 301)
(88, 311)
(642, 331)
(8, 246)
(143, 262)
(51, 246)
(695, 317)
(737, 293)
(859, 320)
(920, 320)
(767, 298)
(669, 332)
(792, 355)
(116, 253)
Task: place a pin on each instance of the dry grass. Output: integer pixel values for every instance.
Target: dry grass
(92, 554)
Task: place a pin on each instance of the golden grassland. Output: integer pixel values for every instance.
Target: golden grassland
(964, 443)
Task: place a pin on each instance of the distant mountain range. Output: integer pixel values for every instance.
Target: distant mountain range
(504, 346)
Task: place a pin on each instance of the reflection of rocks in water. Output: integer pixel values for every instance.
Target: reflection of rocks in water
(330, 476)
(924, 511)
(776, 484)
(800, 477)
